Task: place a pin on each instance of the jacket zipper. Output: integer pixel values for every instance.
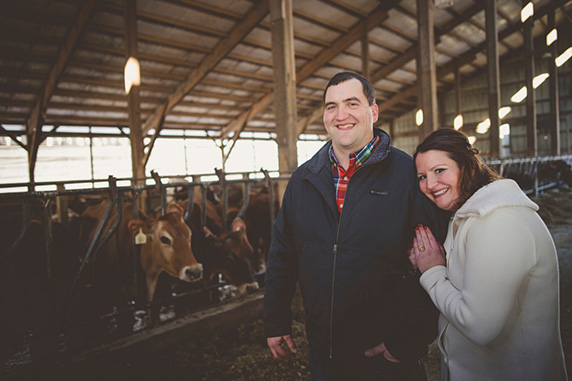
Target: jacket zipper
(335, 253)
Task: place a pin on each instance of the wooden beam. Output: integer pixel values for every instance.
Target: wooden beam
(257, 12)
(284, 70)
(364, 52)
(553, 92)
(458, 93)
(168, 22)
(133, 98)
(35, 120)
(411, 53)
(338, 46)
(344, 41)
(531, 136)
(426, 68)
(13, 136)
(63, 57)
(238, 124)
(305, 122)
(493, 76)
(468, 56)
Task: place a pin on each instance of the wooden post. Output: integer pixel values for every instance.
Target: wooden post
(426, 67)
(493, 76)
(284, 69)
(553, 90)
(532, 139)
(364, 52)
(133, 101)
(458, 97)
(62, 206)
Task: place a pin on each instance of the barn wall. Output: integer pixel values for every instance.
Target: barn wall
(474, 107)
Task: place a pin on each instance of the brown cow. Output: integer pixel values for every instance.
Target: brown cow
(257, 218)
(166, 246)
(222, 251)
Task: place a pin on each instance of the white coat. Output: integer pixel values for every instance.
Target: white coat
(499, 294)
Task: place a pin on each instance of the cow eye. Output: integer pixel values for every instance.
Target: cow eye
(165, 240)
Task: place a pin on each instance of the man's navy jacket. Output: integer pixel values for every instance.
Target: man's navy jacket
(353, 267)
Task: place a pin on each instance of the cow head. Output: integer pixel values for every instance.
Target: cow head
(167, 248)
(232, 251)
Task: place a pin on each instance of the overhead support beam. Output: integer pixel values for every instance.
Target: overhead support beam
(342, 43)
(364, 52)
(553, 92)
(465, 58)
(254, 16)
(531, 138)
(36, 118)
(304, 123)
(426, 67)
(376, 17)
(238, 124)
(411, 53)
(493, 76)
(12, 136)
(458, 93)
(133, 98)
(284, 70)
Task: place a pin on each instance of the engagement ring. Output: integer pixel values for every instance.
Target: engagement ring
(421, 248)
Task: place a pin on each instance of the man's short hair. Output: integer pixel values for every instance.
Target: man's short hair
(343, 76)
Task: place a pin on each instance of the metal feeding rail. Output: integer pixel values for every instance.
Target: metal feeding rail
(534, 174)
(41, 206)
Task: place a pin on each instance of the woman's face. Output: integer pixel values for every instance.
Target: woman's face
(438, 176)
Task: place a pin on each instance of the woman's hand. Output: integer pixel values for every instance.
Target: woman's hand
(428, 252)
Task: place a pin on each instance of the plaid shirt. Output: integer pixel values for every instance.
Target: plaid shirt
(342, 176)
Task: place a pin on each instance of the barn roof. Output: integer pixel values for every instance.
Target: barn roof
(211, 61)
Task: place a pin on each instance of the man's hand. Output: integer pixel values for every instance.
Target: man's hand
(381, 349)
(282, 346)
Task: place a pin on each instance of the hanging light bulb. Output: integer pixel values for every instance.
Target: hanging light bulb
(419, 117)
(132, 74)
(458, 122)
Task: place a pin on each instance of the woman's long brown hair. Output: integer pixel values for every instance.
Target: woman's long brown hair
(474, 173)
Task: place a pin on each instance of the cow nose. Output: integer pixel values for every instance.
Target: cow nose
(250, 288)
(194, 273)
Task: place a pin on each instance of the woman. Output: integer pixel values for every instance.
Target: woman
(495, 281)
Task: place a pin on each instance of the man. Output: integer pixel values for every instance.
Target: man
(346, 223)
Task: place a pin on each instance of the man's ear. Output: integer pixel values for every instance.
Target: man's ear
(375, 112)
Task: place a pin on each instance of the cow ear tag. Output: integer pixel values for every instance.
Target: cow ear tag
(140, 238)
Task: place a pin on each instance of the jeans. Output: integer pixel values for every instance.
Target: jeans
(376, 368)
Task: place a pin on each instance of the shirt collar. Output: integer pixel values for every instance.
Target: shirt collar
(359, 156)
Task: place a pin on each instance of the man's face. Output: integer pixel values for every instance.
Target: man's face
(348, 117)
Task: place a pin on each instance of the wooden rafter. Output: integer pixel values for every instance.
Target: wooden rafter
(258, 11)
(36, 118)
(338, 46)
(470, 55)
